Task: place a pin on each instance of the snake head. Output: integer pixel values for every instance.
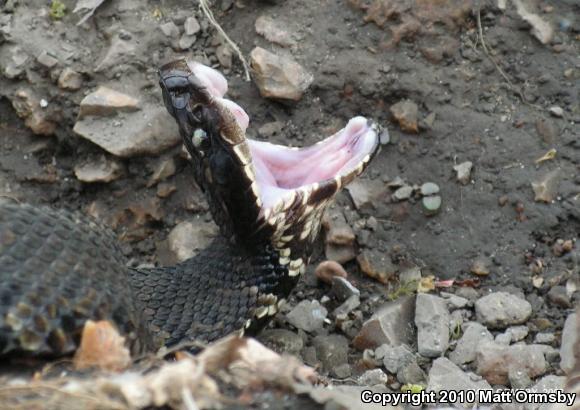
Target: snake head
(260, 192)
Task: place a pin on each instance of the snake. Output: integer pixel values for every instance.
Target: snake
(60, 268)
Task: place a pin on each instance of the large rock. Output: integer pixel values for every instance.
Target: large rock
(569, 339)
(391, 324)
(279, 77)
(500, 310)
(106, 102)
(495, 361)
(432, 320)
(466, 348)
(145, 132)
(445, 375)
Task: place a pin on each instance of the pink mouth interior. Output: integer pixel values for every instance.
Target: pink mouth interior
(280, 169)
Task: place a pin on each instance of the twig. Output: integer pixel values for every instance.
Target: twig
(208, 13)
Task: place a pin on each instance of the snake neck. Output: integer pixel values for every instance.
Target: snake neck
(223, 289)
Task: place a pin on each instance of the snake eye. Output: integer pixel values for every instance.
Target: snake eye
(200, 139)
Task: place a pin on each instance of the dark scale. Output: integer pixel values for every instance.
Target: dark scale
(59, 269)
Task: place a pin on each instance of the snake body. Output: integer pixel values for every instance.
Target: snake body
(58, 268)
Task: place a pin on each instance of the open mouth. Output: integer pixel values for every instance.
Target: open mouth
(280, 171)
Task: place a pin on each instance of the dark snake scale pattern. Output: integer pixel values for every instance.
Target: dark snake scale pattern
(202, 298)
(59, 269)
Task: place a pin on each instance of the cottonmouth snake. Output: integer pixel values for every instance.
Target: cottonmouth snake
(58, 269)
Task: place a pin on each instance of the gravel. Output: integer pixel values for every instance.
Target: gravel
(390, 324)
(500, 310)
(308, 315)
(495, 361)
(466, 348)
(445, 375)
(432, 321)
(394, 358)
(569, 335)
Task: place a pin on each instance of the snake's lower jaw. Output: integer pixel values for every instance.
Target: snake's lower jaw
(317, 172)
(296, 185)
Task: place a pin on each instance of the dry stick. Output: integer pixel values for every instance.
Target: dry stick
(498, 68)
(208, 13)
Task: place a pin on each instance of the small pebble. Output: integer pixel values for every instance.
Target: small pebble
(559, 297)
(431, 204)
(403, 193)
(170, 29)
(546, 186)
(410, 275)
(556, 111)
(463, 171)
(373, 377)
(343, 289)
(480, 268)
(327, 270)
(384, 137)
(308, 316)
(545, 338)
(429, 188)
(191, 26)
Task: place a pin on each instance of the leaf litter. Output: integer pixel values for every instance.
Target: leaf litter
(103, 376)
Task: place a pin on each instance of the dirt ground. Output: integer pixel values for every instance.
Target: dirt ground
(502, 110)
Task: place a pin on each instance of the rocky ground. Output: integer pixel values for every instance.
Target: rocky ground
(458, 254)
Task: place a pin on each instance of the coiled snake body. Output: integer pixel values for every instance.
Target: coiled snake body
(58, 269)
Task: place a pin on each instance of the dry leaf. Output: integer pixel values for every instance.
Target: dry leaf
(250, 362)
(426, 284)
(101, 347)
(551, 154)
(444, 283)
(468, 283)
